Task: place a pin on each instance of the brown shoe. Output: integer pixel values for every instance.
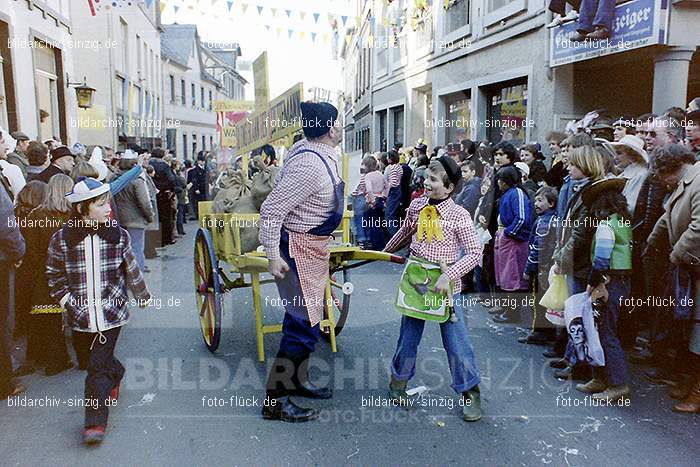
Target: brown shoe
(599, 34)
(579, 36)
(691, 404)
(594, 386)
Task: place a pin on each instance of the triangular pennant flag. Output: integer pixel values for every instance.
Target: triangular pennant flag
(325, 37)
(313, 37)
(230, 5)
(358, 21)
(244, 7)
(290, 32)
(274, 11)
(386, 22)
(302, 35)
(343, 19)
(330, 17)
(267, 27)
(316, 15)
(279, 30)
(162, 7)
(370, 41)
(289, 12)
(348, 38)
(302, 15)
(176, 8)
(260, 9)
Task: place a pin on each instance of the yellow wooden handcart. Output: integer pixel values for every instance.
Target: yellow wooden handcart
(221, 266)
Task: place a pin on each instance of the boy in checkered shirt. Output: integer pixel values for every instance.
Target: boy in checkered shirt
(444, 245)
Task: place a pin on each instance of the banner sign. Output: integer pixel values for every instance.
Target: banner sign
(636, 24)
(280, 118)
(232, 106)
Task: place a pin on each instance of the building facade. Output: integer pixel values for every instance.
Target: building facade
(445, 71)
(37, 49)
(196, 74)
(123, 64)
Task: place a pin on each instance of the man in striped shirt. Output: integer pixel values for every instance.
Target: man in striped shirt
(392, 175)
(296, 222)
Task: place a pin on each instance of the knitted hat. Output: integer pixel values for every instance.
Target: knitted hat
(86, 188)
(317, 118)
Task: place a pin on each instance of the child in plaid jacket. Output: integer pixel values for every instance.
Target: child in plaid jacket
(90, 263)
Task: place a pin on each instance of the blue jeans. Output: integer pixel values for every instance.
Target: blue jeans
(455, 340)
(359, 206)
(181, 218)
(138, 244)
(616, 371)
(595, 13)
(375, 231)
(391, 212)
(575, 286)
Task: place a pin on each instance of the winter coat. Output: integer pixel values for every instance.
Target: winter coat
(88, 272)
(12, 244)
(134, 209)
(42, 225)
(680, 222)
(515, 213)
(573, 251)
(468, 198)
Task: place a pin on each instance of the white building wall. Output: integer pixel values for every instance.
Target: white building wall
(26, 24)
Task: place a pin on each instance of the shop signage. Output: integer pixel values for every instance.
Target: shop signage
(638, 23)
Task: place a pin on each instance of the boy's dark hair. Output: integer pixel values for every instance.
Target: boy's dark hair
(509, 150)
(422, 161)
(393, 157)
(468, 146)
(609, 203)
(549, 193)
(384, 158)
(158, 153)
(81, 209)
(188, 163)
(37, 153)
(509, 175)
(269, 151)
(470, 164)
(370, 162)
(437, 167)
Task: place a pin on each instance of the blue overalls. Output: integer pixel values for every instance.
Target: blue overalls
(298, 336)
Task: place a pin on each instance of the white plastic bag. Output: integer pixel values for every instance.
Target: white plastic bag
(580, 324)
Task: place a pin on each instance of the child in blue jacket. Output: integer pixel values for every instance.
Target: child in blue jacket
(515, 219)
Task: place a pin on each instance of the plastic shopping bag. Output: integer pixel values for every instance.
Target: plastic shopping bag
(581, 327)
(557, 293)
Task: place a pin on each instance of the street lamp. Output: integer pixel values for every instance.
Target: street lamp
(83, 92)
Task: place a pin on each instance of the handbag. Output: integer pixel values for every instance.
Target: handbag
(416, 296)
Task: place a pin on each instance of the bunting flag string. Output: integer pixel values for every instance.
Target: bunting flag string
(237, 8)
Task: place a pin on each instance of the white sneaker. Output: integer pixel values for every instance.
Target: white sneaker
(557, 21)
(572, 15)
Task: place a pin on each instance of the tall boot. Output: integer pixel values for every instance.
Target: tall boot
(277, 404)
(302, 386)
(397, 392)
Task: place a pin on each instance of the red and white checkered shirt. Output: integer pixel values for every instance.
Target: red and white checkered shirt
(393, 174)
(302, 197)
(458, 229)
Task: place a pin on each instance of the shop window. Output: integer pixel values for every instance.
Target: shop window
(184, 147)
(398, 125)
(507, 113)
(458, 123)
(382, 130)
